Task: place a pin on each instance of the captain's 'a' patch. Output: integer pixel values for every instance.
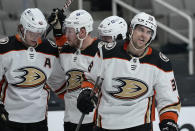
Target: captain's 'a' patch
(163, 57)
(4, 40)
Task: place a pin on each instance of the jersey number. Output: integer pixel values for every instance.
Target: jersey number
(173, 83)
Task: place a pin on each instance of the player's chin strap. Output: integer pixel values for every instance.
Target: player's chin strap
(81, 40)
(113, 41)
(132, 43)
(101, 57)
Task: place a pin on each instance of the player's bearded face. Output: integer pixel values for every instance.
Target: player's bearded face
(72, 37)
(31, 38)
(141, 36)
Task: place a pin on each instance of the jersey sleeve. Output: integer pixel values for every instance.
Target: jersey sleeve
(56, 81)
(94, 70)
(167, 97)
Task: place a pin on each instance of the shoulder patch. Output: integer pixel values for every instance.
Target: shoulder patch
(52, 43)
(110, 46)
(163, 57)
(101, 43)
(4, 40)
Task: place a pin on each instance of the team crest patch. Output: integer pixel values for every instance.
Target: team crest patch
(163, 57)
(110, 46)
(4, 40)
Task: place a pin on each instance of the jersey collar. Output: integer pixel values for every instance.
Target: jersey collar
(148, 51)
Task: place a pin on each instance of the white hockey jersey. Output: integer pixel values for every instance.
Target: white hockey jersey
(74, 63)
(131, 85)
(23, 74)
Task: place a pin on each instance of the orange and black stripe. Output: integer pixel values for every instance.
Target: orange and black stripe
(150, 112)
(168, 113)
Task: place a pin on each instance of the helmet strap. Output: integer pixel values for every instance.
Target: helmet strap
(81, 39)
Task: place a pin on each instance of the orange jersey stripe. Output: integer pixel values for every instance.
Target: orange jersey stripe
(169, 115)
(87, 84)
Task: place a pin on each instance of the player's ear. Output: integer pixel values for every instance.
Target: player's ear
(83, 33)
(20, 29)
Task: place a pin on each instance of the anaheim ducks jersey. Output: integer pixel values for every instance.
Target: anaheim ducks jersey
(130, 86)
(74, 63)
(23, 73)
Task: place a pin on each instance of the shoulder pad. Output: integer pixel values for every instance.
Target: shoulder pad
(4, 40)
(66, 48)
(114, 49)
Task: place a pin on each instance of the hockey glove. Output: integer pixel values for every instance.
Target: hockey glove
(56, 20)
(3, 114)
(85, 102)
(168, 125)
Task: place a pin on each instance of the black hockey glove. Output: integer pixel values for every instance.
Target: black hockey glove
(85, 102)
(56, 20)
(3, 114)
(168, 125)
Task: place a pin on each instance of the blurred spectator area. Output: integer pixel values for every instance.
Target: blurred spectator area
(174, 20)
(10, 11)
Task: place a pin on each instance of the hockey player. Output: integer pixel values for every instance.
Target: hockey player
(133, 76)
(75, 58)
(26, 62)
